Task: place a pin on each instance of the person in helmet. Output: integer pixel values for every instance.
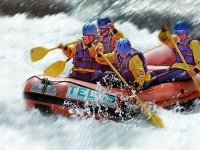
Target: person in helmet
(130, 63)
(107, 35)
(85, 67)
(189, 48)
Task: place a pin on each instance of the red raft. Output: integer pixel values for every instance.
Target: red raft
(75, 98)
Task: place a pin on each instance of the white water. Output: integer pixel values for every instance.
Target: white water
(29, 130)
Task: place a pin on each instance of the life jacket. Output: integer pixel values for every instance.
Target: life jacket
(185, 51)
(83, 59)
(123, 64)
(107, 43)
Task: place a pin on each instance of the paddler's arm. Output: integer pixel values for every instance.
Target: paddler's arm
(117, 34)
(164, 37)
(68, 50)
(109, 56)
(136, 67)
(92, 48)
(195, 47)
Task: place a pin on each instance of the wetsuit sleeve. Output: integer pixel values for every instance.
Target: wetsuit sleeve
(116, 35)
(136, 67)
(70, 51)
(93, 47)
(195, 47)
(109, 56)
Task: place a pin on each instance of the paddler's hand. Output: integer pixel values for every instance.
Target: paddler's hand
(138, 84)
(111, 26)
(85, 40)
(163, 34)
(98, 50)
(191, 73)
(164, 27)
(61, 46)
(99, 47)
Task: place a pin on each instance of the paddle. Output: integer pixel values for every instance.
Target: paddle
(182, 58)
(152, 118)
(38, 53)
(56, 68)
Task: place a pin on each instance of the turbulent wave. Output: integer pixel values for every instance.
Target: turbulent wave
(35, 8)
(149, 14)
(29, 130)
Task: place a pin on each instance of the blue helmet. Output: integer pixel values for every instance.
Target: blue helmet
(102, 22)
(90, 28)
(123, 46)
(181, 27)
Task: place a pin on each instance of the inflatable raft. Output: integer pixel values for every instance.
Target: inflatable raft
(75, 98)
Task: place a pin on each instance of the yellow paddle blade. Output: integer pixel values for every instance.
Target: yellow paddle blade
(152, 118)
(56, 68)
(156, 120)
(38, 53)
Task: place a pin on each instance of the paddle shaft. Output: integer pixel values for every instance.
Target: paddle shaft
(154, 117)
(109, 63)
(182, 58)
(65, 45)
(39, 53)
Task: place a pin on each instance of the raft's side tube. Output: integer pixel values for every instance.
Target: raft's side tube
(160, 55)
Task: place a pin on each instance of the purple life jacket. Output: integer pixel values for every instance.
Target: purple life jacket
(185, 51)
(83, 59)
(108, 48)
(123, 64)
